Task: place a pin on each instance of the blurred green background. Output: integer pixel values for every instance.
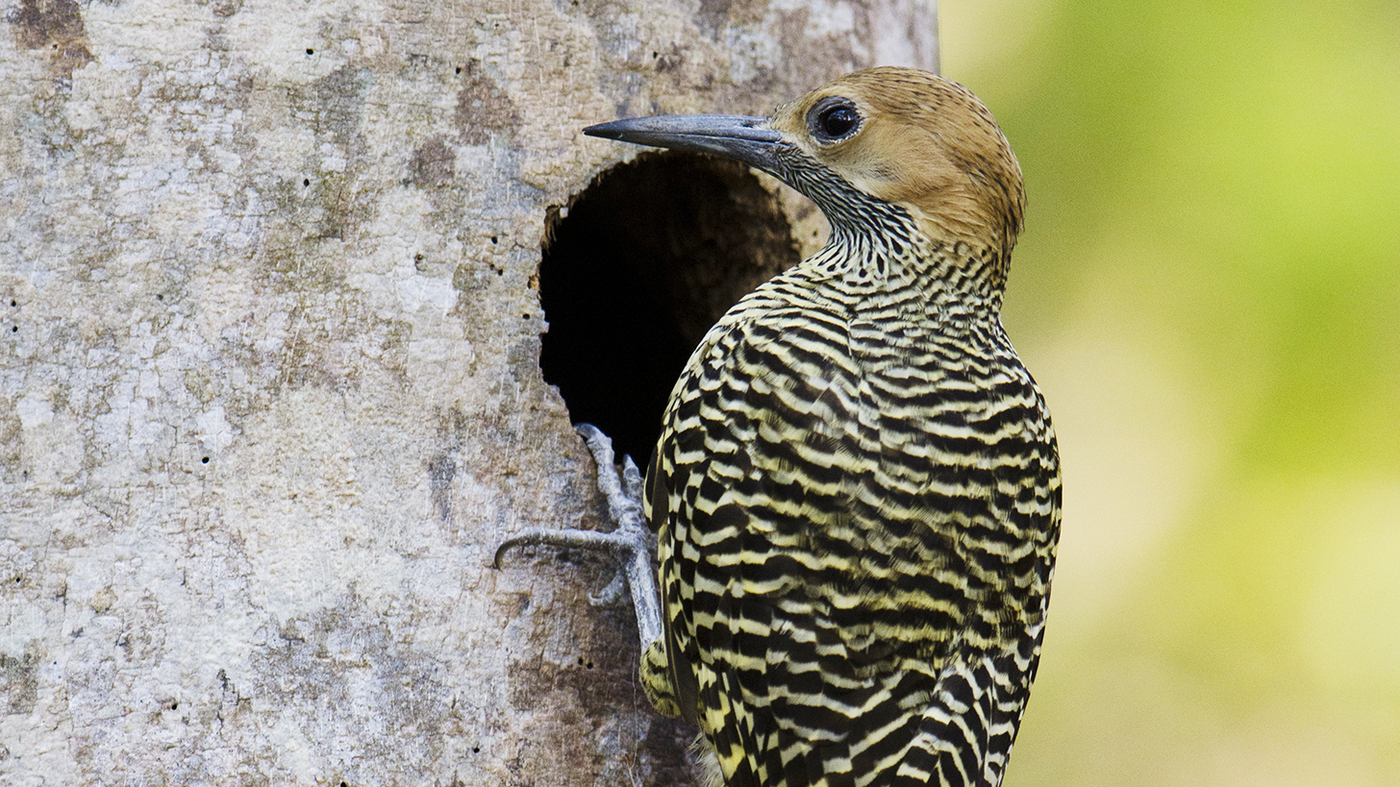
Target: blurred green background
(1209, 294)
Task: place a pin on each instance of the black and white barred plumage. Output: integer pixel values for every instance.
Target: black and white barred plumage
(856, 491)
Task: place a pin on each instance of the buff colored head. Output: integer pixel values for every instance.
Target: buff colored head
(917, 140)
(898, 135)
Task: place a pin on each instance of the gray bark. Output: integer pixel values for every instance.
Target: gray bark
(269, 378)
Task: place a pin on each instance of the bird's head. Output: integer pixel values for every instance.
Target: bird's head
(898, 136)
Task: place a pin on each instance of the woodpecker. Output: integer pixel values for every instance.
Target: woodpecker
(856, 492)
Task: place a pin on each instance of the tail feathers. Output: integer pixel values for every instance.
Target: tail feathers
(966, 733)
(961, 737)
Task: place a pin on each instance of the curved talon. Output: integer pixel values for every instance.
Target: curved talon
(624, 492)
(592, 539)
(527, 537)
(513, 541)
(631, 542)
(597, 441)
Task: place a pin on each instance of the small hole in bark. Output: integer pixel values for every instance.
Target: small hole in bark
(175, 705)
(14, 302)
(476, 750)
(306, 181)
(310, 51)
(493, 240)
(646, 259)
(204, 461)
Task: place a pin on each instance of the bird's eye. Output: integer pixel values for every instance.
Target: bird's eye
(833, 119)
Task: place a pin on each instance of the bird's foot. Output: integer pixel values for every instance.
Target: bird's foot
(630, 542)
(624, 495)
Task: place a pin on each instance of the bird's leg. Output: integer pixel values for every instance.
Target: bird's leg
(630, 542)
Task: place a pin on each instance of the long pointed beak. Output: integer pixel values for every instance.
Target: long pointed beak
(747, 139)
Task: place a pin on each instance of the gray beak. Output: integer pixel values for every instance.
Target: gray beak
(746, 139)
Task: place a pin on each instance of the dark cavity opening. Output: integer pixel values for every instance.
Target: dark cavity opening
(635, 272)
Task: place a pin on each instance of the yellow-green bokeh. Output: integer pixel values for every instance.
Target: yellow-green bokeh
(1209, 293)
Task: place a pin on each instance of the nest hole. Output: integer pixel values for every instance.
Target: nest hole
(634, 273)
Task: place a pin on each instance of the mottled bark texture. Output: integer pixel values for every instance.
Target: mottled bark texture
(270, 388)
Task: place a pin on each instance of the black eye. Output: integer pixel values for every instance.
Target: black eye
(833, 119)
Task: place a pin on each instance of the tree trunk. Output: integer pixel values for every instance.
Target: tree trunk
(270, 381)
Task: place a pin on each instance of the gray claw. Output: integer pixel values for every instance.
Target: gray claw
(630, 542)
(591, 539)
(624, 494)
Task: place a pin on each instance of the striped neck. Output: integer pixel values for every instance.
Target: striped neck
(884, 249)
(878, 245)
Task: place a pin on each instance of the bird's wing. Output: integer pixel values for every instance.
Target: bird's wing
(816, 560)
